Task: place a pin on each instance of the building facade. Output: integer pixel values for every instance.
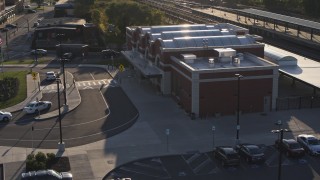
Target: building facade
(197, 66)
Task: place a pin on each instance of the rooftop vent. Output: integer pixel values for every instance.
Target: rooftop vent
(225, 54)
(189, 58)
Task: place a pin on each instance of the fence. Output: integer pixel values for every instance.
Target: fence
(299, 102)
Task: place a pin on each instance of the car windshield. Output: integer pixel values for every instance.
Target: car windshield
(54, 173)
(313, 142)
(30, 105)
(255, 150)
(294, 146)
(232, 156)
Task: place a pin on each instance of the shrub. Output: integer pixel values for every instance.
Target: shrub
(30, 164)
(41, 157)
(50, 159)
(30, 156)
(39, 165)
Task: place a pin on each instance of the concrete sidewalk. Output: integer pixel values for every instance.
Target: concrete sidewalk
(147, 137)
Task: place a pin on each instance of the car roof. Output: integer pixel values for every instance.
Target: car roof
(50, 72)
(308, 136)
(227, 149)
(290, 141)
(250, 146)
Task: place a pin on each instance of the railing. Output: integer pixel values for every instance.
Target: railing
(299, 102)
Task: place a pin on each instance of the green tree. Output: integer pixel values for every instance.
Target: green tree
(128, 13)
(312, 7)
(82, 8)
(39, 2)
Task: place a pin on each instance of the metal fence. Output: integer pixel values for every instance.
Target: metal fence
(300, 102)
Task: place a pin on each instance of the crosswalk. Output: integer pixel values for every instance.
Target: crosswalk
(81, 85)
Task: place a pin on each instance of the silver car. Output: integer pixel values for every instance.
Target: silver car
(5, 116)
(37, 106)
(310, 144)
(46, 175)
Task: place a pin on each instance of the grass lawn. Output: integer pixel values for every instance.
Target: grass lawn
(27, 61)
(22, 92)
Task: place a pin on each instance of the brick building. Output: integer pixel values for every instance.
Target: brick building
(197, 66)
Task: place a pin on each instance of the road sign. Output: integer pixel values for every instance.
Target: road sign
(34, 75)
(121, 68)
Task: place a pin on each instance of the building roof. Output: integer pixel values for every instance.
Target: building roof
(191, 27)
(208, 41)
(283, 18)
(205, 63)
(165, 35)
(306, 71)
(280, 58)
(61, 21)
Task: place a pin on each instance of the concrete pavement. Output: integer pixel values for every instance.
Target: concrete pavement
(147, 137)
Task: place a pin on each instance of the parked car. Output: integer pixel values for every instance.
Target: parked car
(26, 6)
(41, 52)
(68, 55)
(107, 53)
(310, 144)
(46, 174)
(50, 76)
(291, 147)
(31, 11)
(251, 153)
(35, 24)
(227, 155)
(44, 4)
(5, 116)
(10, 26)
(4, 29)
(36, 106)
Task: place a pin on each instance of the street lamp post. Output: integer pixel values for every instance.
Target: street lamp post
(213, 131)
(278, 123)
(280, 151)
(61, 144)
(167, 133)
(64, 80)
(239, 76)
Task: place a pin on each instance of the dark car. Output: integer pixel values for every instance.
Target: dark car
(107, 53)
(227, 155)
(31, 11)
(290, 147)
(4, 29)
(10, 26)
(46, 174)
(41, 52)
(251, 153)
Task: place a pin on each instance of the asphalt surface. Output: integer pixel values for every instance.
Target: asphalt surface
(93, 120)
(196, 165)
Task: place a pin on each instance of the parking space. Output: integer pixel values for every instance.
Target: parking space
(198, 165)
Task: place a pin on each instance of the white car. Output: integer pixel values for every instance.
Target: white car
(5, 116)
(310, 143)
(37, 106)
(50, 76)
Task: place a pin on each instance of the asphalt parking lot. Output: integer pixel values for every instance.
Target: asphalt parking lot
(195, 165)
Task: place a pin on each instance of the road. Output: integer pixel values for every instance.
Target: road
(100, 112)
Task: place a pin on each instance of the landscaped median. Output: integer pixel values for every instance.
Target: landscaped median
(21, 93)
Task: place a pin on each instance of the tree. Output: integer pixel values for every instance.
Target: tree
(128, 13)
(39, 2)
(312, 7)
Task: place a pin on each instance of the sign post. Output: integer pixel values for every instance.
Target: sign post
(34, 77)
